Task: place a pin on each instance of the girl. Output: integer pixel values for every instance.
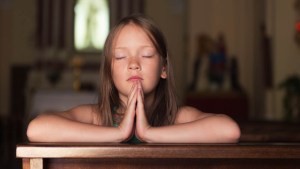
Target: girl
(136, 100)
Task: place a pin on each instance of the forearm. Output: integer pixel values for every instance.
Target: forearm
(213, 129)
(54, 128)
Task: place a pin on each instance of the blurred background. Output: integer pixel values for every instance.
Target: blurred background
(238, 57)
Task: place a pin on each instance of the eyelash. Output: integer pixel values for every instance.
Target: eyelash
(119, 58)
(144, 56)
(148, 56)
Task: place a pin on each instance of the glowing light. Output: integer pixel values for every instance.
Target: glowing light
(91, 24)
(298, 26)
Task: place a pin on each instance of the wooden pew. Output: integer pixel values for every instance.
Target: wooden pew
(123, 156)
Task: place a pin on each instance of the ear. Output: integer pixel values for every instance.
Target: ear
(163, 74)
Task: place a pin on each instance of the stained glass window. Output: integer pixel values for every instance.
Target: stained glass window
(91, 25)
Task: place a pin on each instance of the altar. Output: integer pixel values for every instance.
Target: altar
(59, 100)
(43, 96)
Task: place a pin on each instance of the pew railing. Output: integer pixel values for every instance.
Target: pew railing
(91, 156)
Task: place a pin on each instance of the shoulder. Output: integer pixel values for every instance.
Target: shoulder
(84, 113)
(187, 114)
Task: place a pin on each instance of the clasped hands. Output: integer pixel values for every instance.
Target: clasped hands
(135, 120)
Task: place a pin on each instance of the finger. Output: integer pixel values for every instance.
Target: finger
(131, 105)
(140, 101)
(141, 120)
(132, 102)
(141, 91)
(127, 123)
(131, 93)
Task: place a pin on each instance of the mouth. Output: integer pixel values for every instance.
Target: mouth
(134, 78)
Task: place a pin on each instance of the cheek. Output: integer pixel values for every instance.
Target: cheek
(153, 69)
(117, 71)
(153, 75)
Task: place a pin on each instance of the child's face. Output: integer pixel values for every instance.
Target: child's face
(135, 59)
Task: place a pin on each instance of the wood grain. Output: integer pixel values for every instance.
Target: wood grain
(158, 151)
(124, 156)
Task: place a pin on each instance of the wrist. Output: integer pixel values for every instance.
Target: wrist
(146, 135)
(125, 135)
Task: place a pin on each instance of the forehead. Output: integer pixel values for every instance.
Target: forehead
(132, 34)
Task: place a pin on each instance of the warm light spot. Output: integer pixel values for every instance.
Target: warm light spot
(298, 26)
(91, 24)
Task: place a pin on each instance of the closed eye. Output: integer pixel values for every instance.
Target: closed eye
(148, 56)
(119, 58)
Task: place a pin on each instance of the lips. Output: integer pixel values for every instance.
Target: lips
(134, 78)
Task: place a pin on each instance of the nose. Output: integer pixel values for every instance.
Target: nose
(134, 64)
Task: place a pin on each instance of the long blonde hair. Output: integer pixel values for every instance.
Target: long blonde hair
(165, 105)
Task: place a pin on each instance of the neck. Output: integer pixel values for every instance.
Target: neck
(149, 99)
